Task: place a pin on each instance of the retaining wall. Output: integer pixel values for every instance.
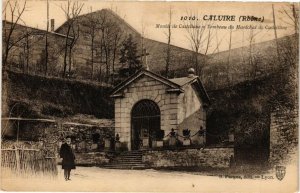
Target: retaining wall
(206, 157)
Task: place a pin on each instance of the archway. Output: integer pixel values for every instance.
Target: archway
(145, 124)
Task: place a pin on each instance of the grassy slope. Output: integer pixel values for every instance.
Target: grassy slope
(54, 97)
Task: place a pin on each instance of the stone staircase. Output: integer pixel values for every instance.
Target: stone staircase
(127, 160)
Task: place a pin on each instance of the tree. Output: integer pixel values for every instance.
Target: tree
(168, 51)
(200, 36)
(143, 36)
(254, 59)
(91, 24)
(110, 40)
(291, 13)
(26, 44)
(117, 36)
(46, 40)
(228, 60)
(16, 11)
(129, 55)
(71, 46)
(71, 11)
(289, 50)
(275, 33)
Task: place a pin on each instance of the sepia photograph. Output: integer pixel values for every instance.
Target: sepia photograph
(149, 96)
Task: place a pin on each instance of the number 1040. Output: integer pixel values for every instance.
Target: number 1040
(188, 18)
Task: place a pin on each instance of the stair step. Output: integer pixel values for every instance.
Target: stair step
(129, 157)
(131, 154)
(127, 160)
(137, 163)
(124, 166)
(120, 159)
(128, 166)
(125, 163)
(118, 162)
(131, 164)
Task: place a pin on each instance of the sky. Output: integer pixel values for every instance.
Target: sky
(144, 16)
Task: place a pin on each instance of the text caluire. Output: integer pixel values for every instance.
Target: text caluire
(241, 18)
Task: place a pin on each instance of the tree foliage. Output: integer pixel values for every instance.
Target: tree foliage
(129, 57)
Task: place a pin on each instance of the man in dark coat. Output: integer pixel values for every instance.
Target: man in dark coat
(68, 158)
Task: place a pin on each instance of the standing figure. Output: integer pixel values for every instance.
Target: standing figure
(173, 138)
(68, 158)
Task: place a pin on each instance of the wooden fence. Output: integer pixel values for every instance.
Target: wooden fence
(19, 161)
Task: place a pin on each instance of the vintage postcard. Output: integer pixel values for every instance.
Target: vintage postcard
(149, 96)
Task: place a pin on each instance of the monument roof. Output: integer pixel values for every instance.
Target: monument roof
(175, 84)
(153, 75)
(183, 80)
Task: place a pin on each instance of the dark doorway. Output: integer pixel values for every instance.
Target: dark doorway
(145, 124)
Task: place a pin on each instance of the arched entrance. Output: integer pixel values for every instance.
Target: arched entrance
(145, 124)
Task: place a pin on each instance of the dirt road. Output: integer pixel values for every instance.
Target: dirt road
(99, 179)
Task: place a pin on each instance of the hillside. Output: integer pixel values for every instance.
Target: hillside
(264, 61)
(217, 72)
(83, 49)
(43, 97)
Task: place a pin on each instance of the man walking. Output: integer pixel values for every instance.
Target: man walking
(68, 158)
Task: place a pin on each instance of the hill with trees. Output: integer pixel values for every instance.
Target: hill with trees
(97, 52)
(89, 47)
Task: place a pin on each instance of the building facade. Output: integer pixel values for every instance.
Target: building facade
(149, 107)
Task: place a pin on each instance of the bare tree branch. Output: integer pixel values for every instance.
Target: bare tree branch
(15, 17)
(291, 12)
(71, 11)
(168, 51)
(200, 37)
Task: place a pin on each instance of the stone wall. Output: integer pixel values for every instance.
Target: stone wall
(283, 136)
(207, 157)
(145, 88)
(92, 158)
(85, 138)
